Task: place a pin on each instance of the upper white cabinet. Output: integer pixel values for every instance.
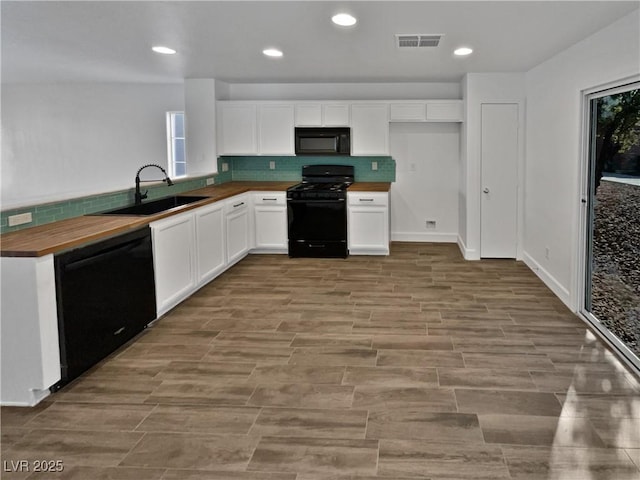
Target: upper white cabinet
(335, 114)
(321, 114)
(408, 112)
(237, 128)
(444, 111)
(308, 115)
(275, 129)
(426, 111)
(267, 127)
(370, 129)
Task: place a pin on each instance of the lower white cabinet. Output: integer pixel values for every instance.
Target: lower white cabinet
(270, 221)
(211, 258)
(237, 228)
(173, 259)
(368, 222)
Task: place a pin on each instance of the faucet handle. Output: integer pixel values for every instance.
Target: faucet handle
(144, 195)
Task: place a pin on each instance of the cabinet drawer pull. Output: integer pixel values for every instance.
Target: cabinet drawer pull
(366, 199)
(269, 199)
(238, 204)
(119, 331)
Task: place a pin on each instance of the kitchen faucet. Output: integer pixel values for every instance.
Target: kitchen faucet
(140, 196)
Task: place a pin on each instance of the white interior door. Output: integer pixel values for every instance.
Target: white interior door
(499, 177)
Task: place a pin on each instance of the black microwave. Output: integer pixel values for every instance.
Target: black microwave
(323, 141)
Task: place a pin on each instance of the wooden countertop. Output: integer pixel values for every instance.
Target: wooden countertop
(65, 234)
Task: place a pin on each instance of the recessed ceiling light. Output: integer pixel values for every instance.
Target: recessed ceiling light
(462, 51)
(163, 50)
(272, 52)
(344, 19)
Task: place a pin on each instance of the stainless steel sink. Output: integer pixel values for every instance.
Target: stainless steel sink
(154, 206)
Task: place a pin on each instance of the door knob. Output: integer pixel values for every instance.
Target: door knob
(486, 190)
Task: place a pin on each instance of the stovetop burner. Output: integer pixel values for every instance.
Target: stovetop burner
(323, 181)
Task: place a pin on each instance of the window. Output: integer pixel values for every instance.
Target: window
(176, 144)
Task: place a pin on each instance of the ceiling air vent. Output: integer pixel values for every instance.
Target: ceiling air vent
(417, 40)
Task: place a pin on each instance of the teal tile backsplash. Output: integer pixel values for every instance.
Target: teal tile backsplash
(288, 168)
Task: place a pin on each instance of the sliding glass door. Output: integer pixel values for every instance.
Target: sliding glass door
(612, 253)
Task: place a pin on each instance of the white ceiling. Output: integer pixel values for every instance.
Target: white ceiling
(110, 41)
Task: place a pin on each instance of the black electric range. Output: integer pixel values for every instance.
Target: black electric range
(317, 212)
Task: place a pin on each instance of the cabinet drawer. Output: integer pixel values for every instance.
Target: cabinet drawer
(236, 204)
(368, 198)
(269, 198)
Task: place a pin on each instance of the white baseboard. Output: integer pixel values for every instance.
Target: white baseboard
(549, 280)
(467, 253)
(425, 237)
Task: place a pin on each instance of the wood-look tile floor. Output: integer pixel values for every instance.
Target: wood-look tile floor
(419, 365)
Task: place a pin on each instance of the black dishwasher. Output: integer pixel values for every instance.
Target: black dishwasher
(106, 295)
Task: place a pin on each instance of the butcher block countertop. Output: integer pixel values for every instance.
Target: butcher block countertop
(65, 234)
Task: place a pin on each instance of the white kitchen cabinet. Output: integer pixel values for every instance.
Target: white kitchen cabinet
(29, 348)
(308, 114)
(444, 111)
(210, 242)
(173, 259)
(368, 222)
(275, 129)
(237, 228)
(270, 221)
(321, 114)
(408, 112)
(335, 115)
(370, 129)
(237, 128)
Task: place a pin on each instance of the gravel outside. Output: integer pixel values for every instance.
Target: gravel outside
(616, 261)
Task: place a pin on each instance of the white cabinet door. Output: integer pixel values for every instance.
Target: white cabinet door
(173, 259)
(270, 220)
(237, 228)
(275, 129)
(237, 129)
(370, 129)
(407, 112)
(308, 115)
(444, 111)
(335, 114)
(368, 223)
(210, 246)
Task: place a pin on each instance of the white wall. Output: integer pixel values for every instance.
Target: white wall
(67, 140)
(553, 161)
(479, 88)
(343, 91)
(427, 159)
(200, 121)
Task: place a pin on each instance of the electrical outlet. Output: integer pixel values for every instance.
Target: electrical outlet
(430, 224)
(211, 181)
(225, 167)
(20, 219)
(374, 165)
(272, 165)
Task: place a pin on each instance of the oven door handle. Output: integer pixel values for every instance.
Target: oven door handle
(316, 200)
